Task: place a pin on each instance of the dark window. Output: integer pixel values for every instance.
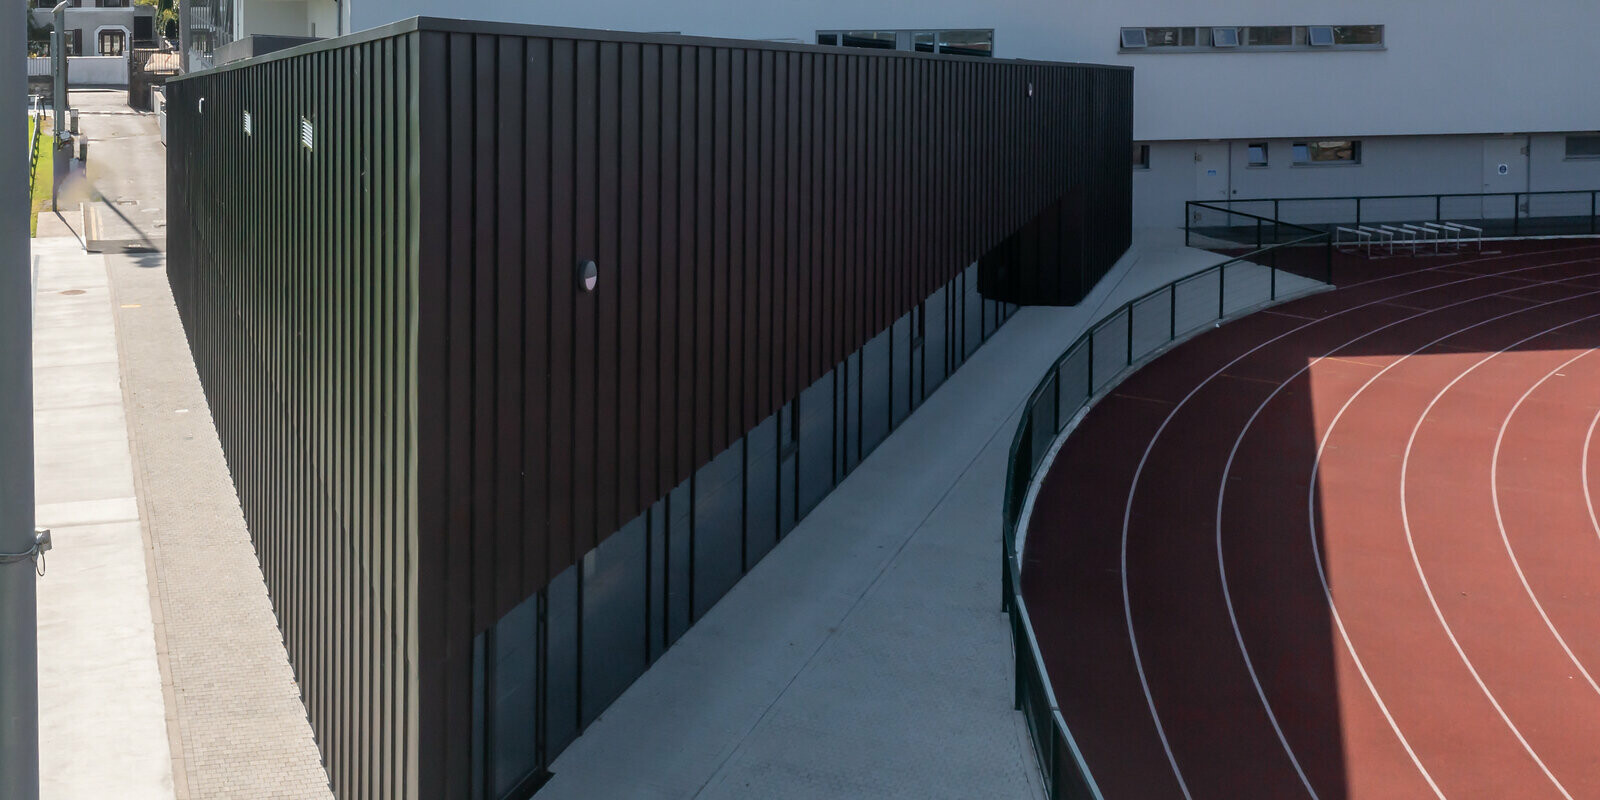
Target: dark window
(1141, 156)
(1258, 154)
(828, 38)
(1585, 146)
(1164, 37)
(924, 41)
(111, 42)
(1269, 36)
(1358, 34)
(875, 40)
(75, 43)
(1333, 151)
(967, 43)
(1131, 37)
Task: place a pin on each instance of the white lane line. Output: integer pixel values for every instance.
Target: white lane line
(1494, 492)
(1416, 561)
(1127, 606)
(1588, 497)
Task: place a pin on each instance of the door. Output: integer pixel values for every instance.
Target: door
(1210, 182)
(1505, 169)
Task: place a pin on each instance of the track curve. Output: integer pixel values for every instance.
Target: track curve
(1434, 634)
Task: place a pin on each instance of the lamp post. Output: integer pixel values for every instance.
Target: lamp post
(19, 662)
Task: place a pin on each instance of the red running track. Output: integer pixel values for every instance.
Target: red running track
(1343, 548)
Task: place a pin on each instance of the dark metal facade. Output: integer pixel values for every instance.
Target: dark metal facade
(426, 416)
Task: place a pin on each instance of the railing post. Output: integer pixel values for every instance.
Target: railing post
(1258, 234)
(1172, 309)
(1091, 362)
(1327, 259)
(1275, 216)
(1591, 213)
(1437, 208)
(1222, 289)
(1186, 225)
(1516, 213)
(1358, 212)
(1272, 269)
(1130, 336)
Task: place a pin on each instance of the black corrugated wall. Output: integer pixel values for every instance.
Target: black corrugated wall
(294, 269)
(427, 419)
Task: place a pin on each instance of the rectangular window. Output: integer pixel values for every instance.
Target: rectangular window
(1224, 37)
(1133, 37)
(1585, 146)
(1358, 34)
(828, 38)
(967, 43)
(111, 43)
(1258, 154)
(1333, 151)
(872, 40)
(924, 41)
(1141, 156)
(1320, 35)
(1163, 37)
(1269, 36)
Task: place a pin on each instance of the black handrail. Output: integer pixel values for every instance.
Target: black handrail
(1517, 217)
(1061, 763)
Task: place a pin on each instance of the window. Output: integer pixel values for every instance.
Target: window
(873, 40)
(967, 43)
(1141, 156)
(111, 42)
(1333, 151)
(1358, 34)
(1258, 154)
(75, 42)
(1585, 146)
(1320, 35)
(1225, 37)
(1269, 36)
(1164, 37)
(1133, 37)
(952, 42)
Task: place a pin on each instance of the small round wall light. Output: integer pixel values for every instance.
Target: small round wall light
(588, 274)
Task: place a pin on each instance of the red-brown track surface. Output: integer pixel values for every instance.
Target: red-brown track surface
(1344, 547)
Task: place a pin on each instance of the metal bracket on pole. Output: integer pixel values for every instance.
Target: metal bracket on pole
(41, 545)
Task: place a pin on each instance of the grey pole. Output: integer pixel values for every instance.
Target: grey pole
(19, 662)
(58, 99)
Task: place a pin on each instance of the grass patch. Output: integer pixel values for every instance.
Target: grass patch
(39, 188)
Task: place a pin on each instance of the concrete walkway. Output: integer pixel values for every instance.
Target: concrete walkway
(163, 673)
(867, 655)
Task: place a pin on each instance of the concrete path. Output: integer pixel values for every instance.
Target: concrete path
(867, 655)
(187, 693)
(102, 720)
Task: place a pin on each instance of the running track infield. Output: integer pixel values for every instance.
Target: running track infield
(1343, 548)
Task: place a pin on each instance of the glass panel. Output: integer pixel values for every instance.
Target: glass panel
(1329, 151)
(967, 43)
(1270, 36)
(1258, 154)
(923, 41)
(1186, 37)
(875, 379)
(1141, 156)
(658, 568)
(816, 442)
(900, 389)
(972, 312)
(1225, 37)
(1163, 37)
(787, 507)
(1583, 147)
(828, 38)
(1320, 35)
(516, 697)
(935, 341)
(614, 651)
(677, 585)
(561, 662)
(876, 40)
(1358, 34)
(852, 411)
(1133, 37)
(761, 490)
(718, 527)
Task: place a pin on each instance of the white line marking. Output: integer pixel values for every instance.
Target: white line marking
(1494, 492)
(1127, 607)
(1405, 520)
(1588, 498)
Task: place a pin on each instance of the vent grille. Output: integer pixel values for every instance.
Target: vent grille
(249, 128)
(308, 134)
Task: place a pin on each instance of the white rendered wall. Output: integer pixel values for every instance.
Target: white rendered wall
(87, 70)
(274, 17)
(1450, 66)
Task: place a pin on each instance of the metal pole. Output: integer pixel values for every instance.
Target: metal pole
(19, 662)
(58, 98)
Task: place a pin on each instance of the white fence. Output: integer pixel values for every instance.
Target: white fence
(86, 70)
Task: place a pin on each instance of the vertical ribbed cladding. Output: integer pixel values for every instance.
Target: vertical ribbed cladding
(426, 417)
(294, 266)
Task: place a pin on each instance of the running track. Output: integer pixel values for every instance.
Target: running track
(1343, 548)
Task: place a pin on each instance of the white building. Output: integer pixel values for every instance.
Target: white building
(99, 27)
(1233, 100)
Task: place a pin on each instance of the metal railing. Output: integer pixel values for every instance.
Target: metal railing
(33, 150)
(1500, 214)
(1289, 262)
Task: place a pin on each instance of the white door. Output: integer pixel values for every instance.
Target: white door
(1505, 169)
(1210, 181)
